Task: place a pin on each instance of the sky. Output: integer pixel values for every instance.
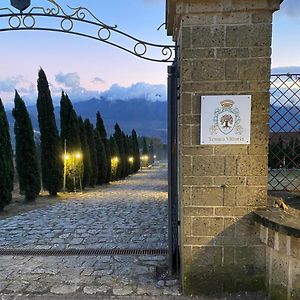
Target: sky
(86, 68)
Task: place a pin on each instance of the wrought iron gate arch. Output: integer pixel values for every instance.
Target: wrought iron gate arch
(22, 16)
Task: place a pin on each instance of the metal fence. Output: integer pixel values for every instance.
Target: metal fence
(284, 143)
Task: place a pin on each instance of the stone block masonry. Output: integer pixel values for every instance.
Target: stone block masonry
(224, 48)
(280, 232)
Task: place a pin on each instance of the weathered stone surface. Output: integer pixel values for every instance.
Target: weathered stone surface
(92, 290)
(64, 289)
(122, 291)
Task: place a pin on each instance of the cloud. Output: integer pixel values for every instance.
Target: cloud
(151, 92)
(26, 89)
(98, 80)
(70, 83)
(291, 8)
(9, 84)
(71, 80)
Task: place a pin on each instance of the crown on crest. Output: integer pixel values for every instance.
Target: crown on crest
(227, 103)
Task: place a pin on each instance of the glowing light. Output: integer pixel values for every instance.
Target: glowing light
(78, 155)
(66, 156)
(154, 156)
(131, 159)
(115, 159)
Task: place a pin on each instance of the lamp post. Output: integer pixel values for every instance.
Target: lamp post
(65, 165)
(78, 156)
(131, 161)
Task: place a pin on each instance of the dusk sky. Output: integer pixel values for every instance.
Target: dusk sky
(85, 68)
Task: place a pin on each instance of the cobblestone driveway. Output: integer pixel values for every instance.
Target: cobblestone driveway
(127, 214)
(130, 213)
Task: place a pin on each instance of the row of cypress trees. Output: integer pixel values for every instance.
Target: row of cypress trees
(103, 159)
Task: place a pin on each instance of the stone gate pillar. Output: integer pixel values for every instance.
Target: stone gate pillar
(224, 49)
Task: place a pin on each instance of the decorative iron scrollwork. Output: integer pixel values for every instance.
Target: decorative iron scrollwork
(28, 18)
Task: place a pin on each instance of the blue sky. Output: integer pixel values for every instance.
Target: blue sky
(85, 68)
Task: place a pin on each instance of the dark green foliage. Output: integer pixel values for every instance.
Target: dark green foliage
(151, 152)
(284, 154)
(108, 159)
(87, 167)
(6, 161)
(102, 131)
(51, 150)
(70, 136)
(292, 154)
(101, 158)
(26, 154)
(126, 154)
(93, 153)
(69, 125)
(145, 151)
(114, 158)
(145, 147)
(100, 126)
(136, 151)
(131, 154)
(120, 143)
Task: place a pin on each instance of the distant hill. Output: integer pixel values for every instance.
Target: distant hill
(284, 118)
(146, 117)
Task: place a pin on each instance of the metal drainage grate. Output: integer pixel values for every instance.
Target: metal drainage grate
(80, 252)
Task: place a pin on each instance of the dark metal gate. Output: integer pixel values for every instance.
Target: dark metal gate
(173, 217)
(284, 143)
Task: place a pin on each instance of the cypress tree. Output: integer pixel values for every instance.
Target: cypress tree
(51, 150)
(100, 126)
(131, 154)
(26, 154)
(6, 161)
(145, 153)
(119, 140)
(115, 158)
(69, 125)
(126, 154)
(151, 152)
(145, 147)
(136, 151)
(87, 167)
(93, 153)
(101, 158)
(102, 131)
(70, 136)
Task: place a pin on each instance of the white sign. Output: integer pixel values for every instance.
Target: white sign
(225, 119)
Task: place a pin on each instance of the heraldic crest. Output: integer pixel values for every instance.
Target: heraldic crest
(226, 119)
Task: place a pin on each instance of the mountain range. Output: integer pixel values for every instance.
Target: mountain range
(148, 118)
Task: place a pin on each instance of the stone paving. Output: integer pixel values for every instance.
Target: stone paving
(131, 213)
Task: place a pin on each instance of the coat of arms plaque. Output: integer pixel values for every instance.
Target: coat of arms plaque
(225, 119)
